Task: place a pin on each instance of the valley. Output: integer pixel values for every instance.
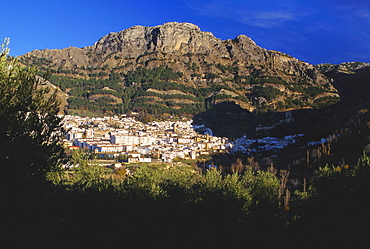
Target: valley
(171, 134)
(234, 87)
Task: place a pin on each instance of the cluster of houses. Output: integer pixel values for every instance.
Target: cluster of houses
(245, 145)
(155, 141)
(328, 139)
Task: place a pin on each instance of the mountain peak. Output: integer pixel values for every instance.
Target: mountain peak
(168, 37)
(167, 24)
(184, 24)
(244, 39)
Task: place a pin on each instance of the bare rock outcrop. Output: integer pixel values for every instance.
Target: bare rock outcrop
(170, 37)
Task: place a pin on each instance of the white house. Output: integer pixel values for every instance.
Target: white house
(145, 160)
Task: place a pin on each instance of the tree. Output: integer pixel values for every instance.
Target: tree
(30, 130)
(268, 92)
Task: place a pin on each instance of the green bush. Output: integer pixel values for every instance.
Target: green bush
(267, 92)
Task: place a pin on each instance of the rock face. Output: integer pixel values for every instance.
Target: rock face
(185, 38)
(169, 38)
(204, 61)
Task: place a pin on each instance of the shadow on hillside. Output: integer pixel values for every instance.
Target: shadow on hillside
(228, 119)
(349, 85)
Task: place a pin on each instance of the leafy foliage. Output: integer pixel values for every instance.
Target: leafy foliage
(30, 146)
(336, 206)
(30, 130)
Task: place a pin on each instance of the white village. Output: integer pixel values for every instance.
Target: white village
(157, 141)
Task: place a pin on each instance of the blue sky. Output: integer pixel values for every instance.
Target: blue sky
(314, 31)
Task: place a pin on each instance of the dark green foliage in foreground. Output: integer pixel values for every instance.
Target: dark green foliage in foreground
(168, 206)
(179, 207)
(337, 212)
(30, 130)
(30, 146)
(159, 206)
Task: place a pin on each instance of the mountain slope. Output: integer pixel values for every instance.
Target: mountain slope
(350, 79)
(179, 56)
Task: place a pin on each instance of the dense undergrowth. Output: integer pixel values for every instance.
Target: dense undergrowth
(179, 207)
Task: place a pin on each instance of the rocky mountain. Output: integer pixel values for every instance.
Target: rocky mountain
(350, 79)
(178, 69)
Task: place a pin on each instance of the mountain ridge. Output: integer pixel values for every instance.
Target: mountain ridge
(264, 80)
